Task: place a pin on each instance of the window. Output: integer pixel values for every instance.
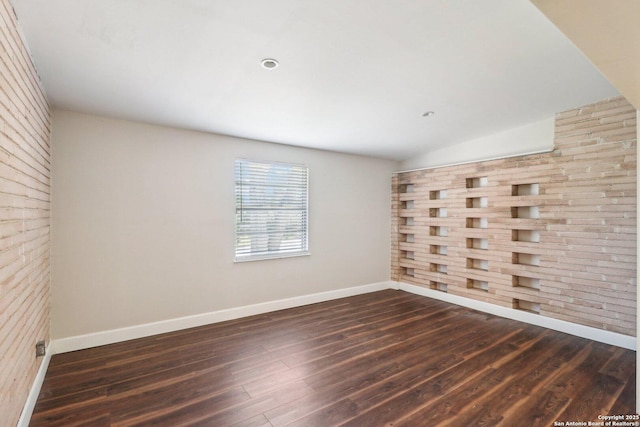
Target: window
(271, 210)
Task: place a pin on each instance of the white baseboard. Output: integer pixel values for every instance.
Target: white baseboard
(80, 342)
(32, 398)
(595, 334)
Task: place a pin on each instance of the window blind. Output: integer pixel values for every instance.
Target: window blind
(271, 210)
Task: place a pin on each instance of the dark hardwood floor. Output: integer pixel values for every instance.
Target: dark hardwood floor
(380, 359)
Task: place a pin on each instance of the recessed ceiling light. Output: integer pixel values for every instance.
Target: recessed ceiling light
(428, 114)
(269, 63)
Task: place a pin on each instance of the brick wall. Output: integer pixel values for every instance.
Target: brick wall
(552, 234)
(24, 218)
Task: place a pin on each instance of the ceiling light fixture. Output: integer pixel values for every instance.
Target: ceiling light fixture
(428, 114)
(269, 63)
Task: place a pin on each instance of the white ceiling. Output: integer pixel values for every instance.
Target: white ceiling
(354, 76)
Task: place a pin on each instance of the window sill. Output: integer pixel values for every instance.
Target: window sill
(270, 256)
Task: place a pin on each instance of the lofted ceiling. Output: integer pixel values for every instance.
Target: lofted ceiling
(354, 76)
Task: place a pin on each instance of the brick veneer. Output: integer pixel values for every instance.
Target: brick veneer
(24, 218)
(553, 233)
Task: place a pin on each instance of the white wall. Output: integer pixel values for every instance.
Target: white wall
(531, 138)
(143, 224)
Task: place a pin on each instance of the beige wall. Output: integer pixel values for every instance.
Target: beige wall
(24, 218)
(143, 224)
(532, 138)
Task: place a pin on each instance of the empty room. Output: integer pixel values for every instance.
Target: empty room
(337, 213)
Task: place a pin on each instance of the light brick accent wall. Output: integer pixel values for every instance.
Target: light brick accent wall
(24, 218)
(553, 234)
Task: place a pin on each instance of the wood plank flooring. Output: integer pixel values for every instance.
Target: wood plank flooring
(387, 358)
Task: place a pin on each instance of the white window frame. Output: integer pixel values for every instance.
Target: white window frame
(254, 179)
